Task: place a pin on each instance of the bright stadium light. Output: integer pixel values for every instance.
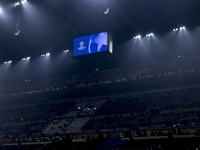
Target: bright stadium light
(182, 28)
(17, 4)
(0, 9)
(137, 37)
(28, 58)
(150, 34)
(176, 29)
(8, 62)
(23, 1)
(65, 51)
(47, 54)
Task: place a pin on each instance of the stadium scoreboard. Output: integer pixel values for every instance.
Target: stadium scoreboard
(95, 43)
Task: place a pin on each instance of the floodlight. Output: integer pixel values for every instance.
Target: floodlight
(137, 37)
(47, 54)
(66, 51)
(7, 62)
(150, 34)
(17, 4)
(23, 1)
(182, 28)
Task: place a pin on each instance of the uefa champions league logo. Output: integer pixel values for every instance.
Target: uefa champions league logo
(82, 47)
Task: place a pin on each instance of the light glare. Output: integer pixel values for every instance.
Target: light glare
(8, 62)
(137, 37)
(27, 58)
(150, 34)
(182, 28)
(176, 29)
(23, 1)
(47, 54)
(65, 51)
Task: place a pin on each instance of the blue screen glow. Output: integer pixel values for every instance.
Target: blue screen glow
(90, 44)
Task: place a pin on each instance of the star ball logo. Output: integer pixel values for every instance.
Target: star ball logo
(82, 47)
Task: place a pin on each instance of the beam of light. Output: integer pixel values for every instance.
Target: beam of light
(47, 54)
(0, 9)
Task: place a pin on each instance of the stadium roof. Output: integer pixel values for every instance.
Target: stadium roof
(50, 25)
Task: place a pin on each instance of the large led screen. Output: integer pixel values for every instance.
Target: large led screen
(90, 44)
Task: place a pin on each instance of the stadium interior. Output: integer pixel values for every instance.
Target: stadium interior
(55, 94)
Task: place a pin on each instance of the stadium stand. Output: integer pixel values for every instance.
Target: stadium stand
(153, 100)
